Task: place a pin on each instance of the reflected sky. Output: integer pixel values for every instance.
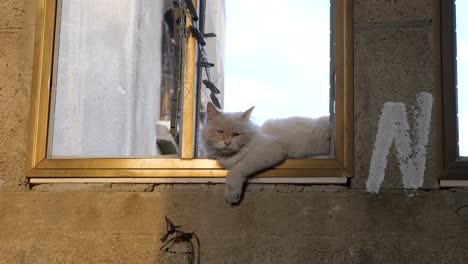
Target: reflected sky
(462, 68)
(277, 58)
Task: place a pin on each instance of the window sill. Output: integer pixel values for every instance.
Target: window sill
(171, 180)
(453, 183)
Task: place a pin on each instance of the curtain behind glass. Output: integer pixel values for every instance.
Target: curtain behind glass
(108, 78)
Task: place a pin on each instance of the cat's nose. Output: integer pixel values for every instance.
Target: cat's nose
(227, 143)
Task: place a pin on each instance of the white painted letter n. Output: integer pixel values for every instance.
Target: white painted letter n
(393, 127)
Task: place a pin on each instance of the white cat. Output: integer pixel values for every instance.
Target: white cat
(244, 148)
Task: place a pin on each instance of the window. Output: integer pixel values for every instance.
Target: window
(454, 91)
(82, 44)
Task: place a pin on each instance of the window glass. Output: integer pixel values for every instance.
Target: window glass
(112, 82)
(271, 54)
(462, 78)
(277, 58)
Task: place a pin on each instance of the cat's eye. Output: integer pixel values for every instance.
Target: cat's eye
(236, 134)
(219, 132)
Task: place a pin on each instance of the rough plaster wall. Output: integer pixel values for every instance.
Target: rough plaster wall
(17, 26)
(393, 62)
(92, 223)
(314, 225)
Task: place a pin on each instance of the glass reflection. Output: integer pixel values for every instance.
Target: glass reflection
(278, 58)
(271, 54)
(112, 81)
(462, 78)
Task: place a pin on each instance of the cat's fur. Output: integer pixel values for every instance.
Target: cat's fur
(245, 148)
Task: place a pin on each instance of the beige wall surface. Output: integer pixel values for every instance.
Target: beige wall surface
(17, 26)
(117, 223)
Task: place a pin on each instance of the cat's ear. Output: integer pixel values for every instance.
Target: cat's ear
(246, 114)
(211, 111)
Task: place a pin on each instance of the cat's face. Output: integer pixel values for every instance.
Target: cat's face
(227, 133)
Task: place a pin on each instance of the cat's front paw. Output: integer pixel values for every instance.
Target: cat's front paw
(232, 195)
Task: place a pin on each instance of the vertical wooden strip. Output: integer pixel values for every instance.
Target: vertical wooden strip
(38, 117)
(339, 80)
(343, 48)
(449, 82)
(188, 98)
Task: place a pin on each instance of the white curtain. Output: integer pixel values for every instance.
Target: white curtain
(108, 78)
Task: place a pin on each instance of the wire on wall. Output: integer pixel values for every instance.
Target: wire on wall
(178, 236)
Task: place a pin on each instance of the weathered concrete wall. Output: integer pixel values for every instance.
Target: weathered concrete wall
(17, 26)
(393, 62)
(312, 226)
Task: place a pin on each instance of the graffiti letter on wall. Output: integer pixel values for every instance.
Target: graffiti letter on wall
(394, 128)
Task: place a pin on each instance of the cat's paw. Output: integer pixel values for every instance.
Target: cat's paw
(232, 195)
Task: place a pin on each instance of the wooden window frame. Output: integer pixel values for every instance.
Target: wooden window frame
(454, 169)
(40, 167)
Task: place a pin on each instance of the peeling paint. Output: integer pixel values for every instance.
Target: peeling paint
(393, 128)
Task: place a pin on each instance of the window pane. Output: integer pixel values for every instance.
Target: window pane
(277, 58)
(271, 54)
(462, 78)
(112, 80)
